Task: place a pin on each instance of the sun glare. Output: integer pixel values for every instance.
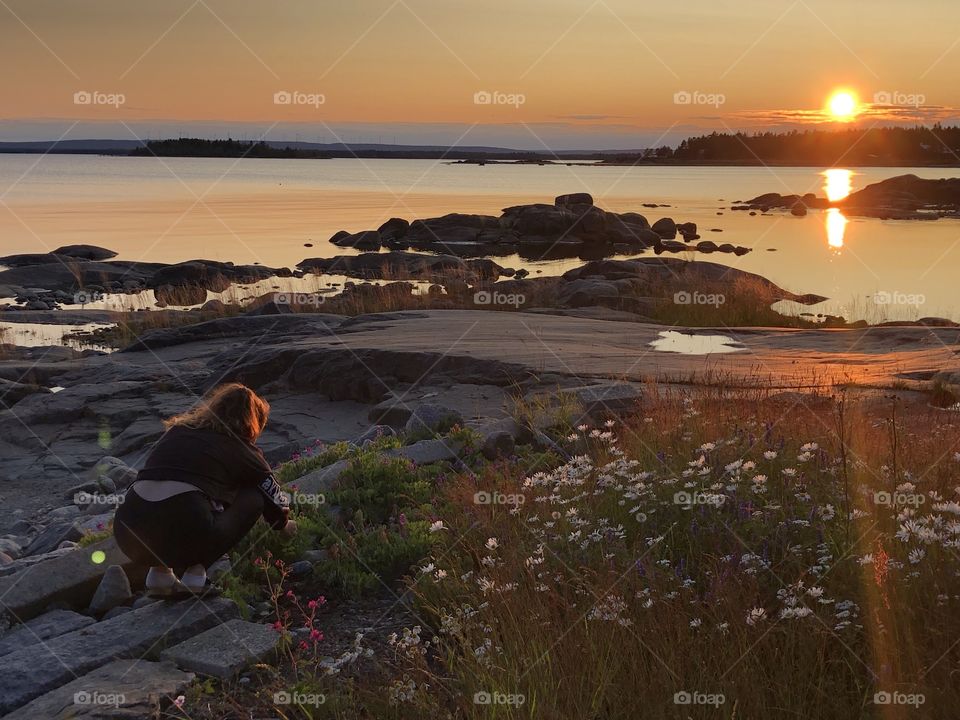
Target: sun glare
(842, 105)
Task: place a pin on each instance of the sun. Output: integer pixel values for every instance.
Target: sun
(843, 106)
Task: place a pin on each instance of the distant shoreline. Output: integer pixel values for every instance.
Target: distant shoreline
(454, 159)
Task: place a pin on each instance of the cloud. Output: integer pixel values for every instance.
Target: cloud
(876, 112)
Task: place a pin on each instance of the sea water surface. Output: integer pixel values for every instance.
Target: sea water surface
(264, 210)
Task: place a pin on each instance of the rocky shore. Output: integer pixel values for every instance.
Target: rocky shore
(905, 197)
(572, 227)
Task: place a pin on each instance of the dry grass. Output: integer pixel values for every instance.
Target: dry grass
(602, 595)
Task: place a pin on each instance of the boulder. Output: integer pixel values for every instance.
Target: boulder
(114, 590)
(85, 252)
(116, 470)
(42, 628)
(70, 577)
(598, 402)
(584, 293)
(12, 392)
(390, 412)
(432, 418)
(799, 209)
(225, 650)
(365, 240)
(120, 689)
(374, 433)
(497, 444)
(32, 671)
(450, 228)
(393, 233)
(581, 198)
(51, 536)
(666, 228)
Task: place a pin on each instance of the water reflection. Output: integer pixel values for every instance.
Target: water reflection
(690, 344)
(837, 183)
(836, 227)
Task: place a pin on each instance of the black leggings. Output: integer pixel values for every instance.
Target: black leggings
(183, 530)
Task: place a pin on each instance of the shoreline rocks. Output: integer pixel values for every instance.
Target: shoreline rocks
(903, 197)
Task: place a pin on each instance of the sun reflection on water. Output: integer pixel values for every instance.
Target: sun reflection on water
(838, 183)
(836, 227)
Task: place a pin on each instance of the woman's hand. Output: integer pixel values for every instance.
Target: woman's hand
(290, 529)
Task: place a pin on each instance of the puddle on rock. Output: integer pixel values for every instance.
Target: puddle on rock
(690, 344)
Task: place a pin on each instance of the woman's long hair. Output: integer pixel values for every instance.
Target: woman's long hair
(231, 409)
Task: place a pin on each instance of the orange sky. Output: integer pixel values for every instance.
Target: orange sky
(597, 67)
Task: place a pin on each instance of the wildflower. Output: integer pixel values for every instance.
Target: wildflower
(179, 702)
(770, 455)
(696, 622)
(809, 447)
(755, 616)
(440, 575)
(916, 555)
(492, 544)
(437, 526)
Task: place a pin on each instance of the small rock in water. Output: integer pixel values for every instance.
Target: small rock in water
(114, 590)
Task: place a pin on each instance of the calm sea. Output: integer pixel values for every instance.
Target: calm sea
(266, 210)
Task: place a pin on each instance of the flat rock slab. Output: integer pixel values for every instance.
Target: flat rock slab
(226, 649)
(32, 671)
(71, 578)
(46, 626)
(120, 689)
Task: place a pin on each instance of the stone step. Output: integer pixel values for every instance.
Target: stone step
(46, 626)
(32, 671)
(225, 650)
(71, 578)
(120, 689)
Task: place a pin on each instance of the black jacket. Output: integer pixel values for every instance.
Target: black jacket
(218, 465)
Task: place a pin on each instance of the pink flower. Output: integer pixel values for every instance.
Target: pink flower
(303, 645)
(278, 626)
(181, 699)
(316, 635)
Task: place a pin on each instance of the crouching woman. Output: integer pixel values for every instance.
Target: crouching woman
(202, 488)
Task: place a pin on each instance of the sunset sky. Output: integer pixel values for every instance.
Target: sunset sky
(564, 73)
